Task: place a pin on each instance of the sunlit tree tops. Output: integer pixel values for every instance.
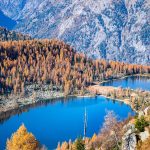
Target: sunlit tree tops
(56, 63)
(22, 140)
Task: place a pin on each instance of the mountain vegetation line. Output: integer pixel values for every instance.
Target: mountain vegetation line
(55, 63)
(6, 35)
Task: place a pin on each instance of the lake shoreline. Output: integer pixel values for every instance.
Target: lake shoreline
(4, 115)
(14, 103)
(140, 75)
(104, 91)
(17, 102)
(121, 100)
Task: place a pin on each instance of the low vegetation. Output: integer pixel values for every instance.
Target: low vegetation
(144, 145)
(141, 123)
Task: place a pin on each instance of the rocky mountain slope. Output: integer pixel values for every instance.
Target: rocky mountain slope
(113, 30)
(6, 35)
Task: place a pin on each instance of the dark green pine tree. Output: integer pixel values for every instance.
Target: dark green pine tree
(80, 144)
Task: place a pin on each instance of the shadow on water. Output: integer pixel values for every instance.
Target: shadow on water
(4, 116)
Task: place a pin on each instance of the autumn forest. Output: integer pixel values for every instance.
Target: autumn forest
(55, 63)
(74, 75)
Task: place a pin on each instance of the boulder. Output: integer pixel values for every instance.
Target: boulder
(141, 113)
(129, 126)
(144, 135)
(129, 140)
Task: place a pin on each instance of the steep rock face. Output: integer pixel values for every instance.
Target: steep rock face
(12, 8)
(113, 30)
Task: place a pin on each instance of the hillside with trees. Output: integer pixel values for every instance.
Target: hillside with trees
(55, 63)
(6, 35)
(55, 67)
(109, 29)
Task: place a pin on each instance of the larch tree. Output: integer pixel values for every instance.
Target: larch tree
(53, 61)
(79, 144)
(110, 134)
(22, 140)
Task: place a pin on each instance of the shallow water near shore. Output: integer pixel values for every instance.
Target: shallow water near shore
(133, 82)
(64, 119)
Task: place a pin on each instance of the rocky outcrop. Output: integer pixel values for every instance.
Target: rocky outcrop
(133, 139)
(129, 140)
(113, 30)
(144, 135)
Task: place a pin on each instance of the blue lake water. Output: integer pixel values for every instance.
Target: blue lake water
(133, 82)
(63, 120)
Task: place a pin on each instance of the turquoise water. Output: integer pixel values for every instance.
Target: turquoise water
(133, 82)
(63, 120)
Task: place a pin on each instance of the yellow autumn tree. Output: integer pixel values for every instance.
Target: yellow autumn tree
(94, 137)
(22, 140)
(64, 146)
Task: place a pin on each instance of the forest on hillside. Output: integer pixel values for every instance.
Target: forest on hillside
(55, 63)
(6, 35)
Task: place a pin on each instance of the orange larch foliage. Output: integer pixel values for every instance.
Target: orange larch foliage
(22, 140)
(55, 63)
